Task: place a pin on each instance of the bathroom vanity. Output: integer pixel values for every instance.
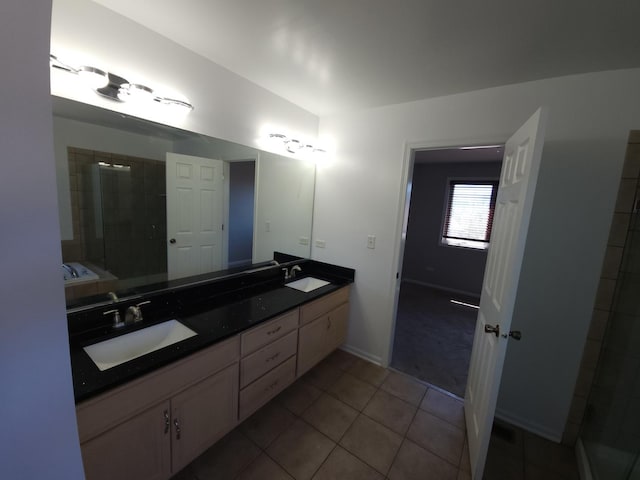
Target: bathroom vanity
(151, 416)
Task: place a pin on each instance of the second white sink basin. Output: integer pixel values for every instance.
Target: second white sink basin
(112, 352)
(307, 284)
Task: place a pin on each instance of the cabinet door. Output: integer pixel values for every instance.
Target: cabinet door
(338, 320)
(138, 448)
(203, 414)
(312, 343)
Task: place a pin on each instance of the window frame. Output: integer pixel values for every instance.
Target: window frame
(460, 242)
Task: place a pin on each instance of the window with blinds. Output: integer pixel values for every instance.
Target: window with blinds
(469, 214)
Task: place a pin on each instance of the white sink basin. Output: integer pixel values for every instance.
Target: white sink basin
(115, 351)
(307, 284)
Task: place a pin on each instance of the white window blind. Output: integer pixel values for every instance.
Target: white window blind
(469, 213)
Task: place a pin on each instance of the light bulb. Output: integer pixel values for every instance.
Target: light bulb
(93, 77)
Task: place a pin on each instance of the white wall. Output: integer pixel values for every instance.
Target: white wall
(227, 106)
(359, 193)
(38, 437)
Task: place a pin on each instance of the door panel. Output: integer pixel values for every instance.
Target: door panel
(511, 222)
(195, 209)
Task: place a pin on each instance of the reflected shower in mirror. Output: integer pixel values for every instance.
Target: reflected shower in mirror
(142, 203)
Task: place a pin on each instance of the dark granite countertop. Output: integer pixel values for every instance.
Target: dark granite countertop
(215, 319)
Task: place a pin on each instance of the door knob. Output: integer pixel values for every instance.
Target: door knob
(172, 241)
(491, 329)
(515, 334)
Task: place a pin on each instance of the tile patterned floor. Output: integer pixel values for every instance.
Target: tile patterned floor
(349, 419)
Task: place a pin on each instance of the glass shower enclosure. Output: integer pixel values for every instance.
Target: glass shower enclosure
(610, 432)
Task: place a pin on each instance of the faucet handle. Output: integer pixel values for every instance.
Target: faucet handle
(134, 313)
(117, 322)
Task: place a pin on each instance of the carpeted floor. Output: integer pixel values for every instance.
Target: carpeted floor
(433, 336)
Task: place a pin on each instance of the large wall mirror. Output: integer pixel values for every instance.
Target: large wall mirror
(142, 204)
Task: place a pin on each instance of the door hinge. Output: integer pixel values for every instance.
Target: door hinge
(223, 227)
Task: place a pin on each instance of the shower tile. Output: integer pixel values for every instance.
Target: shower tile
(604, 295)
(612, 261)
(626, 195)
(598, 325)
(631, 167)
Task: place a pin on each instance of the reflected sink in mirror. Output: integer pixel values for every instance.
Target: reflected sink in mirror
(307, 284)
(118, 350)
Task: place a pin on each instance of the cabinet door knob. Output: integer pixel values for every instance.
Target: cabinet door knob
(167, 424)
(176, 423)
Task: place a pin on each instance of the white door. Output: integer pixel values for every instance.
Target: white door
(195, 208)
(511, 221)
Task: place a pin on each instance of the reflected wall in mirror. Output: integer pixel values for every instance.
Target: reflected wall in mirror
(142, 203)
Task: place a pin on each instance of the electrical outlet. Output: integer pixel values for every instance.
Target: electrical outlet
(304, 240)
(371, 241)
(321, 243)
(267, 226)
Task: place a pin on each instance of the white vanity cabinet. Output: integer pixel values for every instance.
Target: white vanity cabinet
(323, 328)
(154, 426)
(268, 363)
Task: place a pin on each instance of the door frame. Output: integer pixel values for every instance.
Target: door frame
(404, 200)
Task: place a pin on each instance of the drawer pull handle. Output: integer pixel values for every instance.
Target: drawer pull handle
(167, 424)
(273, 357)
(178, 431)
(328, 323)
(276, 330)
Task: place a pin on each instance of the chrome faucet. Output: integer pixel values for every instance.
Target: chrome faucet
(291, 273)
(294, 269)
(134, 313)
(113, 297)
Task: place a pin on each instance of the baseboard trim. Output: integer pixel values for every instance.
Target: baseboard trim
(440, 287)
(529, 426)
(362, 354)
(584, 468)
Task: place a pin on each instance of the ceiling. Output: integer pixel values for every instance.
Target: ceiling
(330, 56)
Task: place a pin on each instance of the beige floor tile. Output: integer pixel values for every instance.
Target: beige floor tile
(390, 411)
(372, 442)
(462, 475)
(331, 416)
(369, 372)
(263, 468)
(300, 450)
(341, 465)
(266, 424)
(533, 472)
(299, 396)
(341, 359)
(550, 456)
(185, 474)
(437, 436)
(226, 458)
(323, 375)
(416, 463)
(444, 406)
(404, 387)
(499, 466)
(352, 391)
(465, 462)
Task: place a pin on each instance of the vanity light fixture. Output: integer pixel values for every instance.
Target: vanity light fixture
(114, 87)
(292, 145)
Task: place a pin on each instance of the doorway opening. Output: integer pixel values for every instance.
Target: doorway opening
(447, 235)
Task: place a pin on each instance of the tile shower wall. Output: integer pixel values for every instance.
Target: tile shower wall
(615, 324)
(119, 213)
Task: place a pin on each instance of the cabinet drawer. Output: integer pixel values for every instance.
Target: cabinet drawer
(268, 357)
(319, 307)
(272, 330)
(266, 387)
(103, 412)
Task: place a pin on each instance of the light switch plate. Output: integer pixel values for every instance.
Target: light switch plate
(371, 241)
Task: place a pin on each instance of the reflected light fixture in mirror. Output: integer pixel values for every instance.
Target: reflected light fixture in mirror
(114, 87)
